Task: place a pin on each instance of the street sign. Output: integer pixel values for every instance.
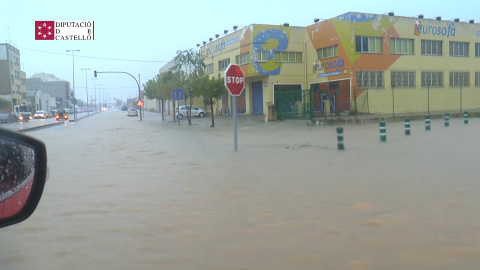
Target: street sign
(140, 103)
(234, 80)
(177, 94)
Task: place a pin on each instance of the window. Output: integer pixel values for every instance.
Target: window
(431, 47)
(261, 56)
(403, 79)
(328, 52)
(368, 44)
(477, 78)
(243, 58)
(477, 49)
(401, 46)
(458, 48)
(223, 64)
(459, 78)
(209, 69)
(373, 79)
(434, 79)
(292, 57)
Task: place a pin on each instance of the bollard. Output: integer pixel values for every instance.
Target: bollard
(383, 131)
(447, 119)
(427, 122)
(465, 117)
(340, 138)
(407, 126)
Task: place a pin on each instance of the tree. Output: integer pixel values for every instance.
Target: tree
(160, 88)
(213, 89)
(193, 64)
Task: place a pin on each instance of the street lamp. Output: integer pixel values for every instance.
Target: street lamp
(73, 60)
(86, 87)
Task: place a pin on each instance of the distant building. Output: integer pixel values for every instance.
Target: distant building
(12, 78)
(58, 89)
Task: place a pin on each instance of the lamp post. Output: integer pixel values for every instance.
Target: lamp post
(73, 71)
(86, 87)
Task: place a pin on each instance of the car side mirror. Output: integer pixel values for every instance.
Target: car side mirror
(23, 173)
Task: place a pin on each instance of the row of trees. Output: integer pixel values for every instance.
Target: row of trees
(190, 77)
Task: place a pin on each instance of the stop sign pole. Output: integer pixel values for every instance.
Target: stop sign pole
(235, 83)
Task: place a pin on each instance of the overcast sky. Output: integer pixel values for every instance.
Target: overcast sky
(150, 32)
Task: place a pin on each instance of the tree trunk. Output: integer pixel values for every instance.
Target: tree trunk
(163, 109)
(190, 111)
(211, 108)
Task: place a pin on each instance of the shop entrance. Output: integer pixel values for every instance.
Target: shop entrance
(333, 96)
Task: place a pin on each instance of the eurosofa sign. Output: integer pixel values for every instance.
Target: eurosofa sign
(427, 29)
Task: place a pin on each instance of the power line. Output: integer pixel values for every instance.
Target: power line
(94, 57)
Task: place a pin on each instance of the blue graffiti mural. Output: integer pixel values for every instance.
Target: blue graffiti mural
(259, 41)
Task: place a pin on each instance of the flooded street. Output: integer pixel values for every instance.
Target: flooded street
(129, 194)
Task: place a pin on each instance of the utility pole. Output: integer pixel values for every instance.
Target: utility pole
(73, 71)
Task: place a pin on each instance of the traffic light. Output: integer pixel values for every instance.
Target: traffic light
(95, 73)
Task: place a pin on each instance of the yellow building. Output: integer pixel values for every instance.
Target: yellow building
(370, 63)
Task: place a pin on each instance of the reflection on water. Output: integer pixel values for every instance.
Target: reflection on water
(125, 194)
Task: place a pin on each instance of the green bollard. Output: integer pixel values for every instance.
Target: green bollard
(447, 119)
(407, 126)
(340, 138)
(465, 117)
(427, 122)
(383, 131)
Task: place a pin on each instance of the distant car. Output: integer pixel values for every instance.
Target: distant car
(61, 115)
(132, 112)
(183, 110)
(7, 118)
(124, 108)
(40, 114)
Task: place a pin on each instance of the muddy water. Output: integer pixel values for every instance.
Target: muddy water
(125, 194)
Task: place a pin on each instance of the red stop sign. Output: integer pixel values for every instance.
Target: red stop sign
(234, 80)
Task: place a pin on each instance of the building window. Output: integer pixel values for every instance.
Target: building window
(431, 47)
(243, 58)
(434, 79)
(477, 49)
(459, 78)
(458, 48)
(209, 68)
(372, 79)
(477, 79)
(261, 56)
(403, 79)
(401, 46)
(223, 64)
(368, 44)
(328, 52)
(291, 57)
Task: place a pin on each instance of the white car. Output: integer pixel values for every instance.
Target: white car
(132, 112)
(183, 110)
(40, 114)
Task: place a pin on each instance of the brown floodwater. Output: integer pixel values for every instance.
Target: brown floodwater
(129, 194)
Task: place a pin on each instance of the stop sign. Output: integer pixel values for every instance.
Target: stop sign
(234, 80)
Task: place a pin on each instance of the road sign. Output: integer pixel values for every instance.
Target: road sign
(234, 80)
(177, 94)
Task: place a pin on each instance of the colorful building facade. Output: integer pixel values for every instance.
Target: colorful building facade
(356, 62)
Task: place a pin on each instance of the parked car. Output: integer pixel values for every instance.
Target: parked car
(132, 112)
(40, 114)
(7, 118)
(124, 108)
(182, 111)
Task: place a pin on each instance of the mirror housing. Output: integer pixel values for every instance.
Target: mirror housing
(22, 188)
